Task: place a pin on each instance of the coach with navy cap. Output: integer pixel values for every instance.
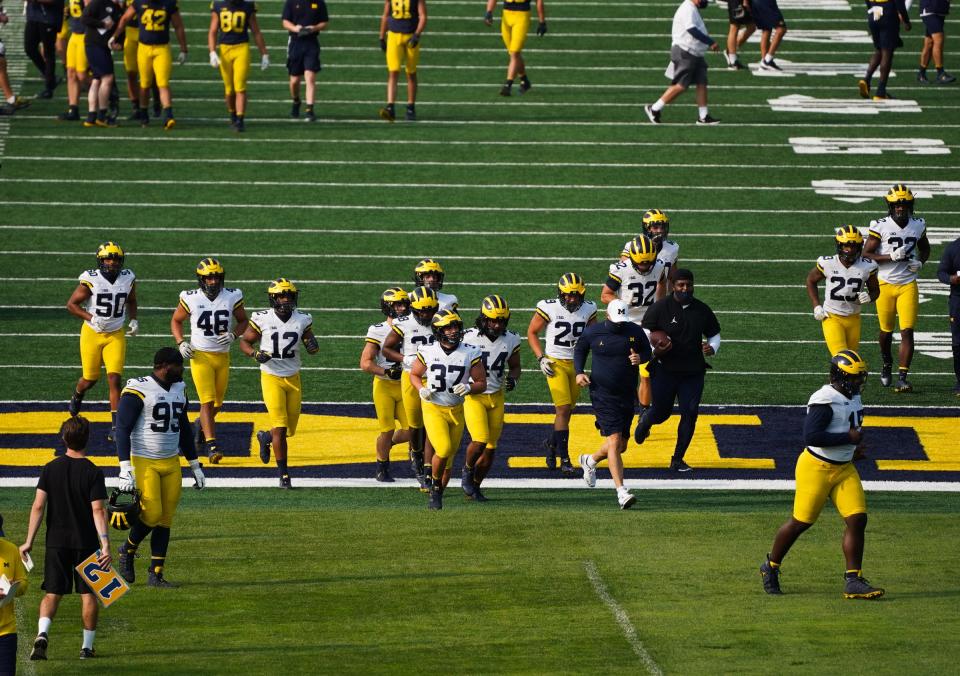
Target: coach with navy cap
(678, 368)
(618, 346)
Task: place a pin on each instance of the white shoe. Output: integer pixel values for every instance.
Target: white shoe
(589, 473)
(626, 499)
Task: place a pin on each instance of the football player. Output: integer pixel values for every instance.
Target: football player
(833, 435)
(278, 333)
(104, 299)
(401, 26)
(898, 243)
(230, 24)
(638, 281)
(217, 318)
(76, 62)
(564, 318)
(152, 429)
(851, 281)
(429, 273)
(154, 58)
(500, 352)
(387, 392)
(409, 333)
(514, 26)
(444, 372)
(656, 226)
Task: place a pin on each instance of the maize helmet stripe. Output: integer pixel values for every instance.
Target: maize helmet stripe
(281, 285)
(445, 318)
(642, 250)
(428, 265)
(394, 295)
(850, 362)
(495, 307)
(109, 250)
(209, 266)
(652, 216)
(423, 298)
(571, 282)
(899, 193)
(848, 234)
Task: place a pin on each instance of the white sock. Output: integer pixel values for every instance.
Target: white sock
(658, 106)
(12, 100)
(622, 490)
(43, 626)
(703, 111)
(731, 58)
(768, 58)
(88, 636)
(591, 463)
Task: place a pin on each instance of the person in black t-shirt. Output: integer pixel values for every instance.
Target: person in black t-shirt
(72, 491)
(679, 366)
(304, 19)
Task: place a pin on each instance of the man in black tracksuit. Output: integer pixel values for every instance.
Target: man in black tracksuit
(949, 273)
(677, 372)
(44, 18)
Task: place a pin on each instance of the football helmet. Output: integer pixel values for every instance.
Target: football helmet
(423, 304)
(494, 316)
(110, 260)
(849, 244)
(571, 291)
(428, 266)
(447, 328)
(283, 297)
(848, 372)
(206, 269)
(656, 226)
(642, 253)
(391, 298)
(123, 508)
(899, 204)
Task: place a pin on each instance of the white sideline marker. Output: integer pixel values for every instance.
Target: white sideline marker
(856, 192)
(799, 103)
(813, 145)
(620, 615)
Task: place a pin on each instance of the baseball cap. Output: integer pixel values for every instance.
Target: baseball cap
(617, 311)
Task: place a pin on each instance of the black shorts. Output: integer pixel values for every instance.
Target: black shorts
(100, 60)
(738, 13)
(954, 305)
(688, 68)
(303, 54)
(885, 34)
(767, 15)
(933, 23)
(614, 413)
(8, 654)
(59, 571)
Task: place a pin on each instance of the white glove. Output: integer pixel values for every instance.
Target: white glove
(426, 393)
(914, 265)
(461, 389)
(877, 13)
(198, 477)
(133, 327)
(98, 323)
(898, 254)
(226, 338)
(128, 481)
(111, 43)
(546, 366)
(186, 349)
(819, 313)
(863, 297)
(264, 62)
(181, 58)
(214, 60)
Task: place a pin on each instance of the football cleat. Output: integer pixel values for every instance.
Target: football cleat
(770, 577)
(885, 96)
(886, 375)
(213, 454)
(19, 103)
(411, 114)
(641, 433)
(707, 120)
(678, 465)
(626, 499)
(857, 587)
(264, 438)
(295, 110)
(309, 116)
(848, 372)
(169, 124)
(383, 473)
(436, 498)
(155, 579)
(956, 390)
(566, 467)
(525, 86)
(478, 496)
(39, 651)
(69, 116)
(109, 122)
(467, 484)
(945, 78)
(425, 482)
(125, 563)
(285, 482)
(589, 473)
(388, 114)
(652, 115)
(73, 408)
(87, 653)
(505, 90)
(240, 126)
(89, 123)
(922, 77)
(551, 450)
(864, 89)
(903, 385)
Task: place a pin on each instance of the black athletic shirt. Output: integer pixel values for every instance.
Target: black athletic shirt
(71, 484)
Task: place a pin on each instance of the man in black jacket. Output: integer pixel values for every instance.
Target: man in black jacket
(678, 371)
(949, 273)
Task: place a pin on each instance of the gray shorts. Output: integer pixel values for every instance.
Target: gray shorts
(688, 68)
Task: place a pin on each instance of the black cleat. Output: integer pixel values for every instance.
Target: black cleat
(87, 653)
(945, 78)
(295, 110)
(707, 120)
(478, 496)
(922, 77)
(285, 482)
(73, 408)
(411, 114)
(903, 385)
(309, 117)
(551, 450)
(383, 476)
(678, 465)
(264, 438)
(505, 90)
(241, 126)
(155, 579)
(525, 86)
(468, 485)
(416, 462)
(436, 498)
(388, 114)
(69, 116)
(770, 577)
(886, 375)
(857, 587)
(641, 433)
(125, 563)
(425, 482)
(39, 651)
(566, 468)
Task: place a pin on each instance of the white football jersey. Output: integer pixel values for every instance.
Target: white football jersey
(156, 433)
(447, 301)
(668, 253)
(636, 290)
(413, 335)
(494, 354)
(281, 339)
(210, 318)
(893, 237)
(847, 413)
(444, 371)
(564, 327)
(108, 300)
(376, 335)
(842, 284)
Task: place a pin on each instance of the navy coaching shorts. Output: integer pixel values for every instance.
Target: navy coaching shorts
(614, 412)
(933, 23)
(100, 60)
(767, 15)
(303, 54)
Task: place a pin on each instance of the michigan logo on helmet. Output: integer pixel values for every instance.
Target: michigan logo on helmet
(656, 225)
(494, 316)
(283, 297)
(423, 304)
(447, 328)
(210, 277)
(123, 508)
(428, 273)
(900, 203)
(571, 291)
(848, 372)
(394, 302)
(849, 244)
(110, 260)
(642, 253)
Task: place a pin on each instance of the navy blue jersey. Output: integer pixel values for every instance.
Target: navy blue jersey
(404, 16)
(154, 17)
(233, 17)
